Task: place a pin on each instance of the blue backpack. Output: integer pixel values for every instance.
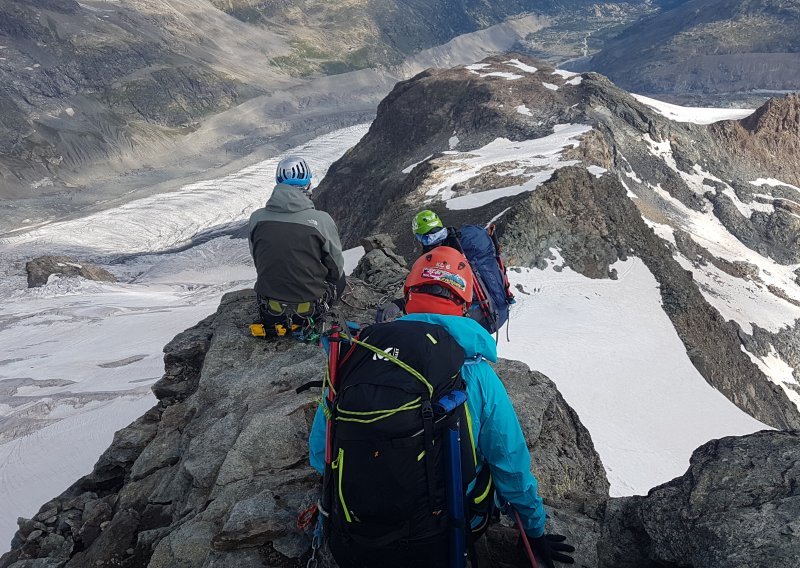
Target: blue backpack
(493, 292)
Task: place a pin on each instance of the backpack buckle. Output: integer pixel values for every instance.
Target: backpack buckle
(427, 410)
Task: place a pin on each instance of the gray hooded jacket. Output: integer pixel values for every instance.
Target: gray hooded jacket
(296, 248)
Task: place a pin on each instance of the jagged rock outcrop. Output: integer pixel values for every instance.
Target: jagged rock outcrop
(383, 268)
(216, 473)
(737, 506)
(768, 139)
(40, 269)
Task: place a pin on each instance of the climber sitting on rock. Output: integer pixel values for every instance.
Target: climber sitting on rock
(296, 251)
(385, 500)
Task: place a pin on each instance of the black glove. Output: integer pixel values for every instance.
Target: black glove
(550, 547)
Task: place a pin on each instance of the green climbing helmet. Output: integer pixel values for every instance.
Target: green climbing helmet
(426, 221)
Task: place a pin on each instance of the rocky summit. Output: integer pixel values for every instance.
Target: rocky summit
(572, 163)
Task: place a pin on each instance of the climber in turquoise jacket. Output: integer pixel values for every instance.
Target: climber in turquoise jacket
(499, 439)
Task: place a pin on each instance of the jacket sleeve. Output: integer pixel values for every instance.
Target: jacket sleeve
(333, 259)
(503, 446)
(251, 224)
(316, 442)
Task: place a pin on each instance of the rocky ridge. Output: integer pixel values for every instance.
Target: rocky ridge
(216, 473)
(737, 505)
(434, 141)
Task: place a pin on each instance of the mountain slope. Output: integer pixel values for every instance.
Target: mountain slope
(708, 46)
(101, 99)
(474, 142)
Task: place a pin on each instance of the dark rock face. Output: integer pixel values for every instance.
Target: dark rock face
(40, 269)
(708, 46)
(768, 139)
(737, 506)
(217, 472)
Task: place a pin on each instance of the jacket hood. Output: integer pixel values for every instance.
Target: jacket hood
(475, 340)
(288, 199)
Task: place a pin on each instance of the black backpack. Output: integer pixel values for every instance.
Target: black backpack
(398, 390)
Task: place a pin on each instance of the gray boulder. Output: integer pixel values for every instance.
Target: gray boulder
(40, 269)
(384, 269)
(737, 506)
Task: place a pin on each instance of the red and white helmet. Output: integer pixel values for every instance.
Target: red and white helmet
(440, 282)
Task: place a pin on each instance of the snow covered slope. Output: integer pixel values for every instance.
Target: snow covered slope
(618, 361)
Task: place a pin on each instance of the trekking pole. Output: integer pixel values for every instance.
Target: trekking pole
(455, 498)
(524, 538)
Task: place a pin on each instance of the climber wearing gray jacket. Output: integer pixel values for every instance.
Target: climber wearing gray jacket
(295, 248)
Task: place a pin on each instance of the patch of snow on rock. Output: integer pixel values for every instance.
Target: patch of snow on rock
(540, 153)
(351, 258)
(779, 372)
(522, 109)
(409, 169)
(503, 74)
(550, 86)
(70, 111)
(773, 183)
(564, 74)
(453, 142)
(741, 300)
(596, 171)
(696, 115)
(575, 81)
(522, 66)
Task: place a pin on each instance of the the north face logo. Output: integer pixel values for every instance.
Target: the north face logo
(312, 221)
(393, 351)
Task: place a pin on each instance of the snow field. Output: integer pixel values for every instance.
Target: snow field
(542, 155)
(696, 115)
(617, 360)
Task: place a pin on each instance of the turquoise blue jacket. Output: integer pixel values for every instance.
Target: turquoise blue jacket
(495, 427)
